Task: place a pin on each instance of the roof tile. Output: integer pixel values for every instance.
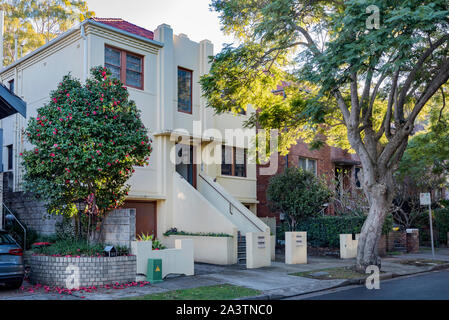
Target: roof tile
(126, 26)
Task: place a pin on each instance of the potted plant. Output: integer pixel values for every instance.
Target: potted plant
(143, 243)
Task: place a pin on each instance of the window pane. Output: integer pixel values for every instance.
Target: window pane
(226, 160)
(10, 157)
(302, 163)
(311, 166)
(133, 78)
(240, 161)
(114, 70)
(112, 57)
(184, 90)
(11, 86)
(133, 63)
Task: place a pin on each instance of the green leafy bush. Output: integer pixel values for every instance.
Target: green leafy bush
(297, 193)
(175, 232)
(86, 139)
(441, 218)
(75, 248)
(325, 231)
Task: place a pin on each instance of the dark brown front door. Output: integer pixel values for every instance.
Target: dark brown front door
(146, 218)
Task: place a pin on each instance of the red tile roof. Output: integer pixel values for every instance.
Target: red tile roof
(126, 26)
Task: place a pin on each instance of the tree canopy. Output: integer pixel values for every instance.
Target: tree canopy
(349, 81)
(86, 141)
(36, 22)
(298, 194)
(425, 161)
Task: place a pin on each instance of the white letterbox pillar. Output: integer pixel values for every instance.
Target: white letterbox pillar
(348, 246)
(295, 247)
(258, 250)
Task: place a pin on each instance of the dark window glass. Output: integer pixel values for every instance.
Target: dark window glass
(226, 160)
(240, 162)
(11, 85)
(9, 157)
(113, 61)
(125, 66)
(184, 90)
(233, 161)
(307, 164)
(133, 70)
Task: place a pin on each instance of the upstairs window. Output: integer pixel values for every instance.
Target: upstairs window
(184, 90)
(125, 66)
(11, 85)
(233, 161)
(308, 164)
(10, 157)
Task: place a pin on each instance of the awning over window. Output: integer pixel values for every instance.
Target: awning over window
(10, 103)
(346, 162)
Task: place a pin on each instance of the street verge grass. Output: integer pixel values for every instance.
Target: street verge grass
(216, 292)
(332, 274)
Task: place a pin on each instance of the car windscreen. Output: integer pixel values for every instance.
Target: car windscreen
(6, 239)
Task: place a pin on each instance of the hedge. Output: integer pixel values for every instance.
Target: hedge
(325, 231)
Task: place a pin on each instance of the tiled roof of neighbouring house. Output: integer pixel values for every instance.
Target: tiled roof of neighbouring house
(126, 26)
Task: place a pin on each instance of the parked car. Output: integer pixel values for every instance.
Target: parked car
(12, 269)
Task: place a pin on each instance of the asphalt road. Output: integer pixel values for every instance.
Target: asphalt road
(429, 286)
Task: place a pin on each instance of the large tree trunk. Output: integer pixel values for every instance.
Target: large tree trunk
(380, 197)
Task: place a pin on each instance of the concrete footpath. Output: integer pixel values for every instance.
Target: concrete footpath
(275, 282)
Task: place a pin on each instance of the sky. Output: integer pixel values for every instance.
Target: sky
(191, 17)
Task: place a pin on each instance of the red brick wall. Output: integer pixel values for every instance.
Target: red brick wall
(325, 166)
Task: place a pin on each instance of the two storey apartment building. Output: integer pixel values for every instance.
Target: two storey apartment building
(183, 187)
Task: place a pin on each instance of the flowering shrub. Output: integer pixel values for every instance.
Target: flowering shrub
(86, 141)
(75, 248)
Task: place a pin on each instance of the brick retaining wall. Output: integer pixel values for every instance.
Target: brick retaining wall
(31, 212)
(93, 271)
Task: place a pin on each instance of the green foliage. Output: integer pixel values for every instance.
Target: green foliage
(325, 231)
(441, 218)
(425, 161)
(39, 21)
(86, 141)
(315, 49)
(175, 232)
(297, 193)
(74, 248)
(156, 244)
(145, 237)
(64, 230)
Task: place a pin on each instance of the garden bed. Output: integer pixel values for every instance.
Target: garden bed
(87, 271)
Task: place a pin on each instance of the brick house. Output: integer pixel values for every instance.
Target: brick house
(328, 161)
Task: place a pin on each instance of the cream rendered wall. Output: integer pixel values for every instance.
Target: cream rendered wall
(63, 57)
(194, 213)
(146, 183)
(157, 102)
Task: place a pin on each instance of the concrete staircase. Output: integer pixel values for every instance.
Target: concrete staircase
(241, 249)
